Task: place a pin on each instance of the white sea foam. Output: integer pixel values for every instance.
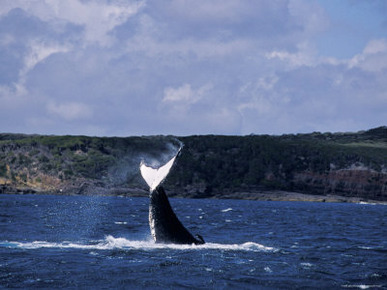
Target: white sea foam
(372, 203)
(227, 209)
(111, 243)
(361, 286)
(268, 270)
(306, 265)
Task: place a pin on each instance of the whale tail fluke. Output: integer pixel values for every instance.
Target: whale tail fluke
(199, 240)
(155, 176)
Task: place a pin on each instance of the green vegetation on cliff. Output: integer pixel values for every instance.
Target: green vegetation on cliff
(348, 164)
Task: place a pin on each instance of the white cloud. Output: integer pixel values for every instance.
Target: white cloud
(373, 58)
(304, 55)
(181, 100)
(70, 111)
(181, 67)
(376, 46)
(309, 16)
(218, 10)
(185, 93)
(97, 17)
(147, 41)
(38, 51)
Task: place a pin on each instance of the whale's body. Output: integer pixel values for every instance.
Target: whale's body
(164, 225)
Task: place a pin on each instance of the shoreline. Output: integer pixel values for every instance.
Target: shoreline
(303, 197)
(305, 167)
(274, 195)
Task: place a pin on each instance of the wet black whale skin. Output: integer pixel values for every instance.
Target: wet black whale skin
(167, 227)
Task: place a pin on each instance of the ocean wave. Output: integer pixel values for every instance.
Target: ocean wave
(227, 209)
(372, 203)
(111, 243)
(361, 286)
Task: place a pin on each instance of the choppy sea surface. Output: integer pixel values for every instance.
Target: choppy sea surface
(104, 242)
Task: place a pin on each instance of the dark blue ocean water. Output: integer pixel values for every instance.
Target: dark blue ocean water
(104, 242)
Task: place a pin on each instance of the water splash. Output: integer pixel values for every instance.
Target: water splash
(111, 243)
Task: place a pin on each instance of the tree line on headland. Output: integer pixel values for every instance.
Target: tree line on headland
(340, 164)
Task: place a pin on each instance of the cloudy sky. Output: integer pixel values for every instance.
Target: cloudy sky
(184, 67)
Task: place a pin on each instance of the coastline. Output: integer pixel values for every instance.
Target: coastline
(273, 195)
(321, 167)
(296, 196)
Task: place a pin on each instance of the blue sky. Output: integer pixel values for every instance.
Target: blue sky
(184, 67)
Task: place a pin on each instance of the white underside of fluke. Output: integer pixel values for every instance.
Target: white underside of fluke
(154, 176)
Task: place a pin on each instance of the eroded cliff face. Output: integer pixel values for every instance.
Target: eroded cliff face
(362, 184)
(346, 182)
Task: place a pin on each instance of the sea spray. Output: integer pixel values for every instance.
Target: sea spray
(125, 170)
(111, 243)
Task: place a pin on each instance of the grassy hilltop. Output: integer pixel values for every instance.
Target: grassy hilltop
(342, 164)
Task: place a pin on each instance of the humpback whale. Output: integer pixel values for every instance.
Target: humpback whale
(164, 225)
